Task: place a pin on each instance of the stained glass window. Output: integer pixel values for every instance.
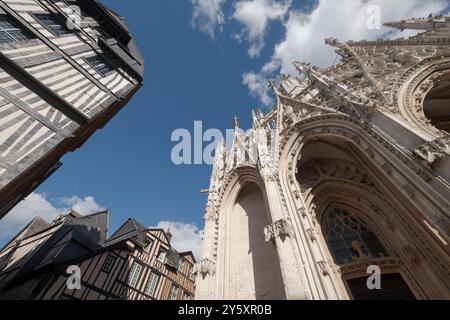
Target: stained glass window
(350, 239)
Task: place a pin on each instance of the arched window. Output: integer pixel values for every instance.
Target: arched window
(350, 239)
(437, 105)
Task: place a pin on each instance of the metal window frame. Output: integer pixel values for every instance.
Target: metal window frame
(57, 19)
(158, 278)
(135, 263)
(20, 27)
(113, 258)
(176, 292)
(101, 57)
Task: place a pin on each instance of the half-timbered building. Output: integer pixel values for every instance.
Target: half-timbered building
(73, 258)
(66, 68)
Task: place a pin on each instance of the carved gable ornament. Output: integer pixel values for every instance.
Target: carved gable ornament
(433, 150)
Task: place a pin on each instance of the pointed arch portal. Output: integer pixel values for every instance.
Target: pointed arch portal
(254, 266)
(339, 187)
(350, 240)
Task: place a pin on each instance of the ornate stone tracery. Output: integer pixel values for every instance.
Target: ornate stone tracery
(353, 137)
(433, 150)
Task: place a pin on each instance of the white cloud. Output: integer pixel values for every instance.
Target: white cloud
(345, 20)
(38, 205)
(255, 15)
(185, 236)
(84, 206)
(208, 15)
(257, 82)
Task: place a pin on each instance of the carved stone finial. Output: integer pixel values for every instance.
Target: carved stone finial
(210, 215)
(428, 23)
(433, 150)
(280, 229)
(235, 122)
(272, 84)
(332, 42)
(205, 267)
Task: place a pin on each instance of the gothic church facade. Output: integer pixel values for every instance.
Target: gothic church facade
(349, 170)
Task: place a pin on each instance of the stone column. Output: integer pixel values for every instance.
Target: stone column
(280, 233)
(206, 267)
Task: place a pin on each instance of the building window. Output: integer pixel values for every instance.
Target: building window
(436, 102)
(147, 244)
(52, 24)
(180, 265)
(162, 255)
(134, 275)
(152, 283)
(99, 64)
(12, 31)
(173, 292)
(109, 263)
(191, 272)
(350, 239)
(186, 296)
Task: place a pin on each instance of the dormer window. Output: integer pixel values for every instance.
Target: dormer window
(147, 244)
(162, 255)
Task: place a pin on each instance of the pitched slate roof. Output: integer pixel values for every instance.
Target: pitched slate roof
(74, 238)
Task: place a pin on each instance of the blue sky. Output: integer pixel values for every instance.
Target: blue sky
(194, 72)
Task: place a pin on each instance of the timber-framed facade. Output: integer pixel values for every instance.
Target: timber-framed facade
(135, 263)
(51, 98)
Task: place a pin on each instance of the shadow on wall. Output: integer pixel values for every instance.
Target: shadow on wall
(268, 282)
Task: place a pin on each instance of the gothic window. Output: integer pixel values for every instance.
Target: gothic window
(436, 105)
(350, 239)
